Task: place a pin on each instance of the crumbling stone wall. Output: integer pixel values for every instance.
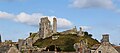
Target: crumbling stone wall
(45, 28)
(80, 33)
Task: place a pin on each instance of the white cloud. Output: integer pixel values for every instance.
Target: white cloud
(5, 15)
(86, 27)
(106, 4)
(64, 23)
(34, 19)
(61, 22)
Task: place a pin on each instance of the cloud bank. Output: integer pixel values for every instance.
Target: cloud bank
(106, 4)
(34, 18)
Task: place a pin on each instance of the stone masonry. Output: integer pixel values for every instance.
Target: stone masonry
(80, 33)
(54, 25)
(105, 46)
(46, 29)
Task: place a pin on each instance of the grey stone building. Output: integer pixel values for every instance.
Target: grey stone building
(20, 43)
(82, 47)
(9, 49)
(105, 46)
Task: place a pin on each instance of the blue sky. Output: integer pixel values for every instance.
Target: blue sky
(19, 17)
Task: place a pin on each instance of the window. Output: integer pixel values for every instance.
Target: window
(99, 51)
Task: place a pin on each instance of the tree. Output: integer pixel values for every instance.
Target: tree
(90, 35)
(69, 45)
(86, 33)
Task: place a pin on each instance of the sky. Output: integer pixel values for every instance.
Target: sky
(20, 17)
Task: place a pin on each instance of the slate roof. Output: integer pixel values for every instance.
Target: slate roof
(94, 47)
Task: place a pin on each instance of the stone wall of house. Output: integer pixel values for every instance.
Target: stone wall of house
(106, 48)
(20, 43)
(13, 50)
(29, 42)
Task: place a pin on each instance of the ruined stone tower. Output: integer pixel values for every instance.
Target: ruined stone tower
(54, 25)
(45, 28)
(80, 33)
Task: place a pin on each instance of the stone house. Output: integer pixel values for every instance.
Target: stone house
(81, 47)
(9, 49)
(105, 46)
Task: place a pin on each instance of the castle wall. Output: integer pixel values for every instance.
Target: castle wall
(45, 28)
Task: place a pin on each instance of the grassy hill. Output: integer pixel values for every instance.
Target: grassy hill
(65, 42)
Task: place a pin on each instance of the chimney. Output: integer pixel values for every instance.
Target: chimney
(105, 38)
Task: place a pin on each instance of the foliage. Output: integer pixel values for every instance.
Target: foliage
(90, 35)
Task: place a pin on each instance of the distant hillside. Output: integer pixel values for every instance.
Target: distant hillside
(65, 42)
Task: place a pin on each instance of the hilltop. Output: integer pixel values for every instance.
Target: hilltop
(64, 42)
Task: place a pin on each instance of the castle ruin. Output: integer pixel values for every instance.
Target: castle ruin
(54, 25)
(80, 33)
(46, 29)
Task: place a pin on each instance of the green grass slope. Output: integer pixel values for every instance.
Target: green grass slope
(65, 41)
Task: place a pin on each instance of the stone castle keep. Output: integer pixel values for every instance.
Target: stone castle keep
(46, 29)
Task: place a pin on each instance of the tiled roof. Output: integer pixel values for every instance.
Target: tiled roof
(4, 49)
(117, 48)
(94, 47)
